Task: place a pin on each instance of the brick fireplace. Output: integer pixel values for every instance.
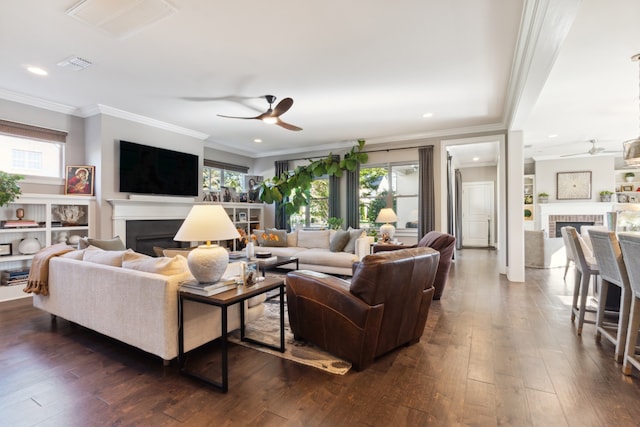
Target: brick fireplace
(589, 213)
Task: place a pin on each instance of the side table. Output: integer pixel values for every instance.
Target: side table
(224, 301)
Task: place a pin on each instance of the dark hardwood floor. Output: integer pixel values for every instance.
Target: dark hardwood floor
(494, 353)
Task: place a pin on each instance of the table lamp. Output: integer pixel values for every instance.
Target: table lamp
(387, 215)
(205, 223)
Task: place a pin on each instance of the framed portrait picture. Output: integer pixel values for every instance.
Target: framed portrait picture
(242, 216)
(252, 185)
(574, 185)
(79, 180)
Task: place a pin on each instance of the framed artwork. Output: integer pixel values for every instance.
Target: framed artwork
(79, 180)
(574, 185)
(627, 187)
(242, 216)
(252, 184)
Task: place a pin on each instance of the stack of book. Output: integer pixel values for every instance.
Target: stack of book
(208, 289)
(14, 277)
(17, 223)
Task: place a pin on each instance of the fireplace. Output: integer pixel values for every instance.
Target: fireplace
(574, 224)
(143, 235)
(575, 213)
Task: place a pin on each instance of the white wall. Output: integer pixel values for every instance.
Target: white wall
(601, 168)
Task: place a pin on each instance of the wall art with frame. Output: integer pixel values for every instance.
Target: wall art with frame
(79, 180)
(574, 185)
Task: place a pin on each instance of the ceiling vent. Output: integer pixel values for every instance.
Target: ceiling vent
(121, 18)
(75, 63)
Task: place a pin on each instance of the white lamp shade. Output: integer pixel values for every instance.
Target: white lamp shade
(386, 215)
(208, 262)
(206, 223)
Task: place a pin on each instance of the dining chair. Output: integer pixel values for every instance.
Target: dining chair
(568, 251)
(630, 246)
(585, 269)
(613, 273)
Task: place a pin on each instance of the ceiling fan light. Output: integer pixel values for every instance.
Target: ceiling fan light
(270, 120)
(632, 152)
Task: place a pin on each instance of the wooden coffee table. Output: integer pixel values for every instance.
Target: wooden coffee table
(224, 301)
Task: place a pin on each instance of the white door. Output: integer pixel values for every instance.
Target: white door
(477, 214)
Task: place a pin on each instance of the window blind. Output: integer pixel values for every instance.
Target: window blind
(32, 132)
(225, 166)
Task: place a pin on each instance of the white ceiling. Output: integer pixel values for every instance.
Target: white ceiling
(358, 69)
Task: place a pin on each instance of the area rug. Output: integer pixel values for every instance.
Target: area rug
(267, 329)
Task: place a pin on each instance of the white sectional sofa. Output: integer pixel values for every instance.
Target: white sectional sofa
(317, 250)
(137, 307)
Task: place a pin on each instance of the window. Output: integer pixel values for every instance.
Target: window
(316, 213)
(23, 156)
(393, 185)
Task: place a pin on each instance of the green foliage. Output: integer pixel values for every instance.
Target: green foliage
(606, 193)
(335, 223)
(293, 189)
(9, 188)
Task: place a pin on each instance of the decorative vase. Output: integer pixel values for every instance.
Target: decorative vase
(29, 246)
(251, 250)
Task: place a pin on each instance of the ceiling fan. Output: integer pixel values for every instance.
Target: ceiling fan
(592, 151)
(272, 115)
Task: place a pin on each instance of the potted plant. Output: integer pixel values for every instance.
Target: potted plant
(629, 176)
(9, 188)
(605, 195)
(335, 223)
(543, 197)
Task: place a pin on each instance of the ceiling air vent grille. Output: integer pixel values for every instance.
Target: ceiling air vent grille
(75, 63)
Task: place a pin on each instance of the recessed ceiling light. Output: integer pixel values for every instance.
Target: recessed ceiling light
(475, 159)
(553, 135)
(427, 115)
(37, 70)
(257, 140)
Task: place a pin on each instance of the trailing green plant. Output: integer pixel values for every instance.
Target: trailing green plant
(9, 188)
(293, 188)
(335, 223)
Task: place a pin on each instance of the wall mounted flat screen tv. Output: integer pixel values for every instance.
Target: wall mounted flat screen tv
(152, 170)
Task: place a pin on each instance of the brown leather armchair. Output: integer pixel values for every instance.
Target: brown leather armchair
(441, 242)
(385, 305)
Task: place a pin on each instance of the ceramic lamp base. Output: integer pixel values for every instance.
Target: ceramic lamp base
(208, 263)
(387, 229)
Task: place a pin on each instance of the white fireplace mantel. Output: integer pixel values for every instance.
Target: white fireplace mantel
(147, 209)
(544, 210)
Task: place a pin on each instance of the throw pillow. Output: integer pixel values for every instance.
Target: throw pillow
(114, 244)
(259, 236)
(354, 234)
(171, 252)
(161, 265)
(313, 239)
(339, 241)
(77, 254)
(276, 238)
(99, 256)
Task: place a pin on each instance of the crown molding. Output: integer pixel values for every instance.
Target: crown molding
(38, 102)
(114, 112)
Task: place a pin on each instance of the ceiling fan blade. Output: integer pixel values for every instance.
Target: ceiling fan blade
(282, 107)
(245, 118)
(287, 125)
